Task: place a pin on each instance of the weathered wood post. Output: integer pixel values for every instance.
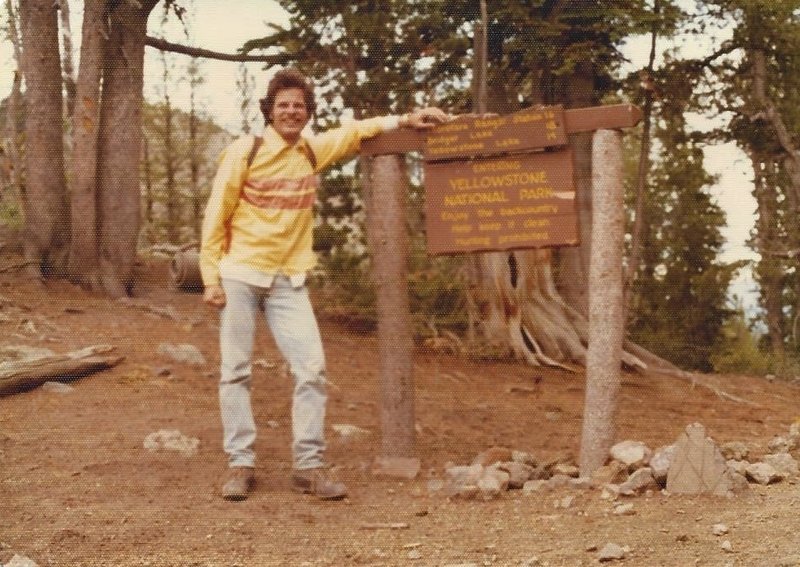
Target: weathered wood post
(387, 187)
(606, 327)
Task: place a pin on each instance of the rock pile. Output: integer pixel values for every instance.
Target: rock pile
(694, 464)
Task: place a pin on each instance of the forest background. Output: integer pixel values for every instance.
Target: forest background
(738, 89)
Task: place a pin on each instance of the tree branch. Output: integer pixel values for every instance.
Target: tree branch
(164, 45)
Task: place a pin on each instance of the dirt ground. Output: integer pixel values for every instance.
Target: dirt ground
(77, 487)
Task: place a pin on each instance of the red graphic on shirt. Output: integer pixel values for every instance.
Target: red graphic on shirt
(281, 193)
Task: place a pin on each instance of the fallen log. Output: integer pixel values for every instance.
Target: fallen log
(21, 375)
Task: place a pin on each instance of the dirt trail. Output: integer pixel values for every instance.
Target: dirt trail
(77, 488)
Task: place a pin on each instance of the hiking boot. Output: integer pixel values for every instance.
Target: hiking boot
(237, 484)
(318, 482)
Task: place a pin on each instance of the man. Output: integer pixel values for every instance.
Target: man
(255, 253)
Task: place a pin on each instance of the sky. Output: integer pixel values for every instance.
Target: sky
(225, 25)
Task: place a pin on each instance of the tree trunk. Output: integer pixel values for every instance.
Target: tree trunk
(606, 326)
(83, 259)
(386, 188)
(45, 199)
(120, 146)
(13, 167)
(68, 67)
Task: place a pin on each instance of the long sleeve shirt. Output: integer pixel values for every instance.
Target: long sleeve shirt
(258, 222)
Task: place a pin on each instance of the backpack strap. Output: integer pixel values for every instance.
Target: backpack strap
(257, 141)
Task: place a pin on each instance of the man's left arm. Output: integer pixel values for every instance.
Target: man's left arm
(345, 141)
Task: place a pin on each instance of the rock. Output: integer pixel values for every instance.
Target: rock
(784, 463)
(739, 467)
(610, 492)
(734, 450)
(763, 473)
(349, 431)
(414, 554)
(523, 457)
(611, 552)
(632, 454)
(21, 561)
(639, 481)
(566, 470)
(171, 440)
(719, 529)
(559, 480)
(624, 510)
(698, 466)
(518, 473)
(660, 463)
(435, 485)
(582, 482)
(739, 482)
(57, 387)
(779, 444)
(565, 502)
(726, 546)
(493, 456)
(534, 486)
(492, 483)
(396, 467)
(475, 480)
(614, 472)
(184, 353)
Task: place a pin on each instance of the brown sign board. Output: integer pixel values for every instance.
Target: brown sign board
(470, 136)
(501, 203)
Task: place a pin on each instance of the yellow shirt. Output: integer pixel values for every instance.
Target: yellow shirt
(260, 219)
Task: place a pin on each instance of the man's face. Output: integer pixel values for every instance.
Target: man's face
(289, 114)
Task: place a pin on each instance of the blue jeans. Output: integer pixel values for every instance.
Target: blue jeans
(291, 320)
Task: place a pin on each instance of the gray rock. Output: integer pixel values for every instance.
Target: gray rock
(779, 444)
(739, 467)
(21, 561)
(660, 463)
(739, 482)
(171, 440)
(719, 529)
(184, 353)
(698, 466)
(614, 472)
(639, 481)
(57, 387)
(763, 473)
(784, 463)
(734, 450)
(518, 473)
(534, 486)
(632, 454)
(492, 483)
(559, 480)
(523, 457)
(624, 510)
(611, 552)
(567, 470)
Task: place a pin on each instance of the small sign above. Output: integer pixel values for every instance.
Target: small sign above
(471, 136)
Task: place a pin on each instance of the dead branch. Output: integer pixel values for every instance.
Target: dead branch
(19, 376)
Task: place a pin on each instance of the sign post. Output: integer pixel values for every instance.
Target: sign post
(492, 183)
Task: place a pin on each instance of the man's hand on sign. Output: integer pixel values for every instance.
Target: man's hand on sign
(424, 118)
(214, 295)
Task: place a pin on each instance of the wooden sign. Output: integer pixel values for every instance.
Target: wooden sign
(501, 203)
(577, 120)
(466, 137)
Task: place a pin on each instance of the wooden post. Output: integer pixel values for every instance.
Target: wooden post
(605, 302)
(386, 188)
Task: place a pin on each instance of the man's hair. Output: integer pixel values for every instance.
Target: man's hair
(287, 79)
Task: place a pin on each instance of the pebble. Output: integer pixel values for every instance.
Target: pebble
(171, 440)
(57, 387)
(726, 546)
(624, 510)
(611, 552)
(414, 554)
(21, 561)
(719, 529)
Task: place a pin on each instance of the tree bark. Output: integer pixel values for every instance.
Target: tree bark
(66, 57)
(606, 326)
(386, 189)
(84, 247)
(120, 146)
(45, 199)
